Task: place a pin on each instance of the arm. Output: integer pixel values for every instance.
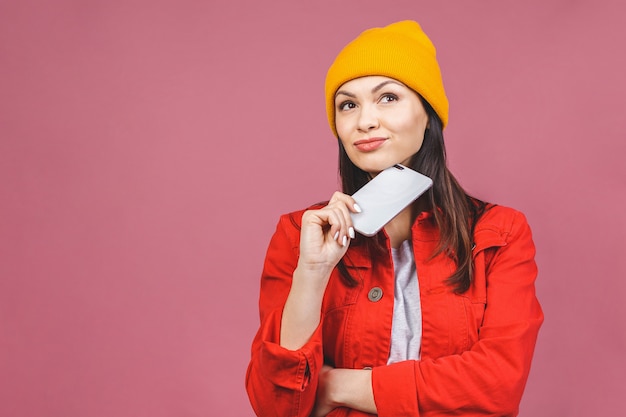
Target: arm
(489, 378)
(351, 388)
(287, 351)
(278, 380)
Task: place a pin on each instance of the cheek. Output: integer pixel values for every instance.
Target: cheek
(340, 127)
(416, 128)
(347, 149)
(412, 130)
(418, 143)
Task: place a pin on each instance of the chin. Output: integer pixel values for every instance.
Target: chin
(376, 168)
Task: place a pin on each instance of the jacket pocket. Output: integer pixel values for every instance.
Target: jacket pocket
(338, 307)
(475, 299)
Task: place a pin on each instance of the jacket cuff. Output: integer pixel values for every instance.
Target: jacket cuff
(291, 369)
(391, 401)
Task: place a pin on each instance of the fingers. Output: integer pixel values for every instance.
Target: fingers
(340, 224)
(332, 222)
(347, 200)
(340, 207)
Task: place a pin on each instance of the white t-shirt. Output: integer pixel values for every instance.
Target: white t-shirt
(406, 329)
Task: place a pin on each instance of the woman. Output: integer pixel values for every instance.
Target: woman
(436, 315)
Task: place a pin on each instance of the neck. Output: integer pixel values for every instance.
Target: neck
(399, 228)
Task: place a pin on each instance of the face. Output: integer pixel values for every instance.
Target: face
(380, 122)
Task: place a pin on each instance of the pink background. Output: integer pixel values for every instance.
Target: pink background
(148, 147)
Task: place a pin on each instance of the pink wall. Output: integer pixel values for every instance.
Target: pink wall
(147, 149)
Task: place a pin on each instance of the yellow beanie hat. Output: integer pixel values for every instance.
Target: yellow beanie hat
(401, 51)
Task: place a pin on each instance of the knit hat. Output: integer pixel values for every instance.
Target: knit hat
(401, 51)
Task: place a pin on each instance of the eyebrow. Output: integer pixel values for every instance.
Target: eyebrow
(374, 90)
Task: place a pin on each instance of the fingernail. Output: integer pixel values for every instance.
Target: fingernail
(351, 232)
(357, 208)
(336, 235)
(344, 241)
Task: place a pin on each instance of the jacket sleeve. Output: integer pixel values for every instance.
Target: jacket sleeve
(488, 379)
(281, 382)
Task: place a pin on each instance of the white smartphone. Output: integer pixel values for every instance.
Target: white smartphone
(385, 196)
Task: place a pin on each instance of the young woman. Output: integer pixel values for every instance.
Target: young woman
(434, 316)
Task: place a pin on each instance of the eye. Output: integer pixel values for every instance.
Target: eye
(346, 105)
(388, 98)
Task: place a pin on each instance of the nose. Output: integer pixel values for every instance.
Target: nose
(368, 118)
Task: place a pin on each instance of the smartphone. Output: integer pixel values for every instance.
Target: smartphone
(386, 195)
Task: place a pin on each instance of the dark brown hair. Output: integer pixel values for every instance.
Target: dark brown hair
(455, 212)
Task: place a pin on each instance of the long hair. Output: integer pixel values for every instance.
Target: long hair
(455, 212)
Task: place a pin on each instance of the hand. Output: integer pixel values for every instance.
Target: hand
(324, 239)
(323, 402)
(351, 388)
(326, 233)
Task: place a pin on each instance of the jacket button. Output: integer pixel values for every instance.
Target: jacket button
(375, 294)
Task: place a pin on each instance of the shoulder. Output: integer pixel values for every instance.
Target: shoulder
(500, 223)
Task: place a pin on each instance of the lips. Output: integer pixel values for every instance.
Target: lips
(369, 144)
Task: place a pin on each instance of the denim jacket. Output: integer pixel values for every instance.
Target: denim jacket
(476, 346)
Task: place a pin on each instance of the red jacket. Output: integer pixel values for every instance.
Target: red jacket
(476, 347)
